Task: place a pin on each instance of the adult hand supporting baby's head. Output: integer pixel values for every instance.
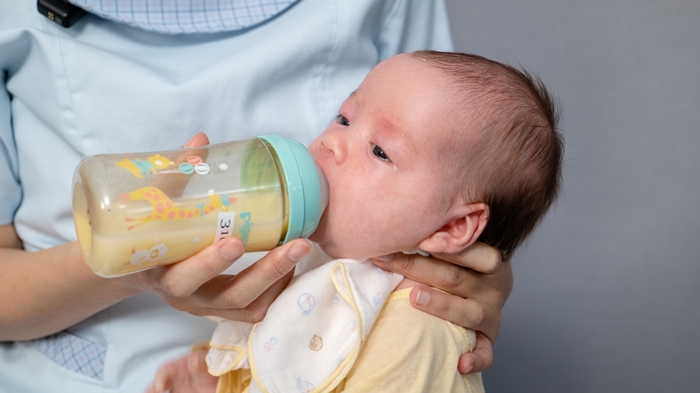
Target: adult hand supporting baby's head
(477, 283)
(196, 285)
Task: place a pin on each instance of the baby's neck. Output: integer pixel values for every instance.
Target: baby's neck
(405, 283)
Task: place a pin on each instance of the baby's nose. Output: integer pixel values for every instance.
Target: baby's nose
(334, 143)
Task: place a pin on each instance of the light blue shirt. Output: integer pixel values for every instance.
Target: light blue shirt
(105, 87)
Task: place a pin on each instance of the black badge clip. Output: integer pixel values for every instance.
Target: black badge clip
(60, 11)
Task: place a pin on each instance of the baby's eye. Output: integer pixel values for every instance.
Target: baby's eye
(379, 153)
(342, 120)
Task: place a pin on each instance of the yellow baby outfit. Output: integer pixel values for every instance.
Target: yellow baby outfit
(311, 337)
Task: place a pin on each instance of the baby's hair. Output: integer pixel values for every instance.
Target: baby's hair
(510, 144)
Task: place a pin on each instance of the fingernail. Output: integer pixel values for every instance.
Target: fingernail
(469, 369)
(299, 251)
(230, 250)
(423, 297)
(385, 258)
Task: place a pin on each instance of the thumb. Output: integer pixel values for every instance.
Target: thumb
(196, 360)
(199, 139)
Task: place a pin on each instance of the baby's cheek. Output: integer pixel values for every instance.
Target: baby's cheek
(350, 237)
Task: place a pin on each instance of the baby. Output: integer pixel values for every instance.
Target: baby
(431, 153)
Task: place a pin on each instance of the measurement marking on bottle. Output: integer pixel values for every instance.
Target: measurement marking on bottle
(224, 225)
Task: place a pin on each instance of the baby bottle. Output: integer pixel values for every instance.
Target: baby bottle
(136, 211)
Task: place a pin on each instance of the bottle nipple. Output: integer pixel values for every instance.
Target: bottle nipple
(325, 189)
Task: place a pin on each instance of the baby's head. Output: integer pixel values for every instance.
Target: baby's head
(434, 151)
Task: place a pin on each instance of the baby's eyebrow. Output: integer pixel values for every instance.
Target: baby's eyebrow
(390, 127)
(397, 131)
(352, 98)
(392, 124)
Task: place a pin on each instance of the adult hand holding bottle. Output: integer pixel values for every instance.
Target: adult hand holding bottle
(50, 290)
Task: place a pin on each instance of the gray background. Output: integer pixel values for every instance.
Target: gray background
(607, 290)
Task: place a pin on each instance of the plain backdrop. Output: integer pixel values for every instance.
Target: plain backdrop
(607, 291)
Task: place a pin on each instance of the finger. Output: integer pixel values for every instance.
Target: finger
(163, 379)
(436, 273)
(252, 312)
(257, 278)
(196, 362)
(173, 182)
(479, 257)
(480, 359)
(247, 296)
(201, 380)
(199, 139)
(183, 278)
(469, 313)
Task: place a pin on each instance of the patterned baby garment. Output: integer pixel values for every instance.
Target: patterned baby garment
(312, 333)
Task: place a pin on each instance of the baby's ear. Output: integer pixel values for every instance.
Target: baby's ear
(460, 232)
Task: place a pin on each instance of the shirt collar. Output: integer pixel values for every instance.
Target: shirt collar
(186, 16)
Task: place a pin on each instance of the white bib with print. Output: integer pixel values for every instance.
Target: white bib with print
(311, 334)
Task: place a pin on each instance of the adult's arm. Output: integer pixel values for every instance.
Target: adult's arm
(476, 284)
(47, 291)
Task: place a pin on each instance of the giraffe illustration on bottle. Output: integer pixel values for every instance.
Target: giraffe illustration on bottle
(165, 209)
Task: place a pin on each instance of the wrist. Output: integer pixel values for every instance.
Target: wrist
(131, 284)
(118, 288)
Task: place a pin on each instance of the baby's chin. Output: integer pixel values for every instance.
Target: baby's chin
(338, 246)
(338, 251)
